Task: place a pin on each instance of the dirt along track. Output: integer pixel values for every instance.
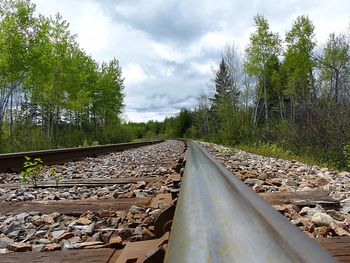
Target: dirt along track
(102, 202)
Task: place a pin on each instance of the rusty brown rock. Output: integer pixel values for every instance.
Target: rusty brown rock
(83, 221)
(148, 221)
(20, 247)
(121, 214)
(147, 234)
(308, 224)
(48, 219)
(67, 235)
(52, 247)
(38, 222)
(321, 231)
(138, 185)
(88, 214)
(128, 195)
(289, 210)
(275, 181)
(115, 242)
(339, 231)
(106, 213)
(320, 182)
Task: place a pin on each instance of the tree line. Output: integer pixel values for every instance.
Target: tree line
(281, 90)
(53, 94)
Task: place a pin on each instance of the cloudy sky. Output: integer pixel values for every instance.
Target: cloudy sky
(167, 47)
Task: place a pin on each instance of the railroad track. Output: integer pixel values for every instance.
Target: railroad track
(131, 207)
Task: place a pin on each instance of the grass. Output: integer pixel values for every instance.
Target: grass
(276, 151)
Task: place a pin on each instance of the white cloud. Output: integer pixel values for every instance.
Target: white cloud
(86, 19)
(133, 74)
(166, 48)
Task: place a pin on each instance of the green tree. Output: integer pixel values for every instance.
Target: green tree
(16, 20)
(263, 46)
(51, 93)
(298, 64)
(335, 67)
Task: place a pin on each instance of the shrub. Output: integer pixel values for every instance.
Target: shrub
(32, 171)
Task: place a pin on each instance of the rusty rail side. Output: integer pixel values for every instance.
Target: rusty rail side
(220, 219)
(14, 161)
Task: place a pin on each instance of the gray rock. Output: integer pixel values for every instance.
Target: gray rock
(140, 194)
(80, 228)
(44, 241)
(30, 226)
(96, 237)
(115, 194)
(30, 233)
(250, 181)
(66, 195)
(22, 217)
(75, 239)
(81, 245)
(322, 219)
(291, 182)
(57, 234)
(14, 234)
(91, 228)
(29, 196)
(136, 209)
(4, 242)
(15, 225)
(4, 228)
(114, 221)
(311, 211)
(19, 192)
(72, 224)
(35, 217)
(55, 225)
(9, 220)
(37, 248)
(40, 233)
(45, 227)
(344, 174)
(137, 231)
(345, 205)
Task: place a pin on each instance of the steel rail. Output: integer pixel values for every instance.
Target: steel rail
(14, 161)
(220, 219)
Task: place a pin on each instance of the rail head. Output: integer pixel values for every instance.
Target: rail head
(220, 219)
(14, 161)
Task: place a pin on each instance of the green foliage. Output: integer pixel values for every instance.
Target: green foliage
(52, 93)
(57, 176)
(292, 103)
(95, 143)
(263, 45)
(32, 171)
(298, 63)
(86, 143)
(263, 50)
(346, 152)
(276, 151)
